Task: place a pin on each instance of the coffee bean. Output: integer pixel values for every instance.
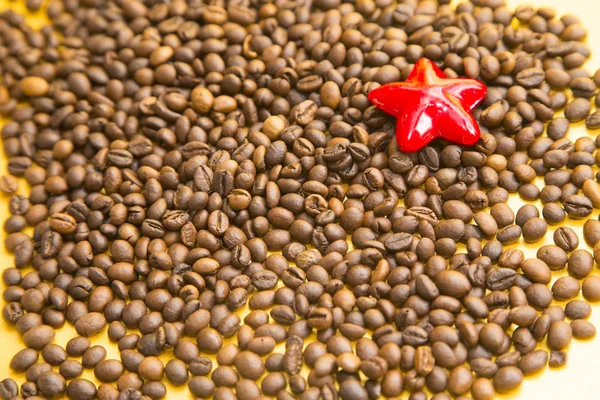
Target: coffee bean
(8, 184)
(534, 229)
(590, 288)
(249, 365)
(578, 206)
(483, 389)
(559, 335)
(51, 385)
(453, 283)
(201, 386)
(558, 79)
(533, 362)
(566, 288)
(90, 324)
(580, 264)
(24, 359)
(176, 372)
(583, 329)
(81, 389)
(507, 379)
(509, 234)
(591, 232)
(38, 337)
(530, 77)
(557, 359)
(577, 110)
(108, 370)
(566, 238)
(592, 191)
(71, 369)
(8, 388)
(34, 86)
(54, 354)
(92, 356)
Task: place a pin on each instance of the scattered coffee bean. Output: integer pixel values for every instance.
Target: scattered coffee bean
(507, 379)
(557, 359)
(590, 288)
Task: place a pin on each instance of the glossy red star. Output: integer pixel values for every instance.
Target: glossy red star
(428, 106)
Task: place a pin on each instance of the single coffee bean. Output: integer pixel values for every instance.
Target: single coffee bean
(34, 86)
(38, 336)
(578, 206)
(590, 288)
(566, 288)
(8, 388)
(24, 359)
(71, 369)
(530, 77)
(8, 184)
(591, 232)
(176, 372)
(51, 385)
(559, 335)
(483, 389)
(534, 229)
(580, 264)
(557, 359)
(507, 379)
(249, 365)
(533, 362)
(81, 389)
(90, 324)
(92, 356)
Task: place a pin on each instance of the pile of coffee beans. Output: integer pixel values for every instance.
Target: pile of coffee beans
(209, 185)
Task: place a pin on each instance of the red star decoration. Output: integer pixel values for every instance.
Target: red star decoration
(428, 106)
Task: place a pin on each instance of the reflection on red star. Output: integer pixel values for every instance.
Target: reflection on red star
(428, 106)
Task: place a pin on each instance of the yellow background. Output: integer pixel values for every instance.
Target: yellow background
(579, 380)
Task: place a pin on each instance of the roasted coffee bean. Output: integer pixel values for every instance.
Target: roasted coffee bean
(38, 336)
(534, 229)
(577, 110)
(566, 238)
(578, 206)
(577, 309)
(583, 329)
(580, 264)
(176, 372)
(77, 346)
(81, 389)
(557, 359)
(90, 324)
(559, 335)
(533, 362)
(453, 283)
(507, 379)
(8, 184)
(590, 288)
(24, 359)
(591, 232)
(51, 385)
(530, 77)
(71, 369)
(8, 388)
(565, 288)
(249, 365)
(92, 356)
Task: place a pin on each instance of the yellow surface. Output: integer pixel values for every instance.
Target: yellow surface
(579, 380)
